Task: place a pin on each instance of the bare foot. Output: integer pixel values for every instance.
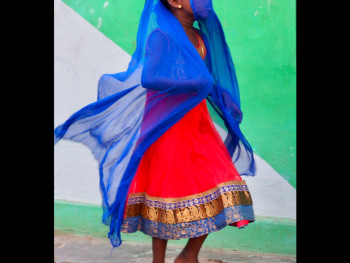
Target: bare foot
(185, 258)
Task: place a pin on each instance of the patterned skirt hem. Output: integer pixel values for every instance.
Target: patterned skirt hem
(228, 216)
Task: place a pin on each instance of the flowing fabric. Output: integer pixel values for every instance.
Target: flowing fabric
(167, 69)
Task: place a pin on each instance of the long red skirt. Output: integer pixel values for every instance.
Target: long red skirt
(186, 184)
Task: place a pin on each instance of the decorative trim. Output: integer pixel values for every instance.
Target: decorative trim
(233, 185)
(192, 229)
(191, 208)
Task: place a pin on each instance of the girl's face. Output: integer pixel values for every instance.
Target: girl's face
(186, 5)
(202, 8)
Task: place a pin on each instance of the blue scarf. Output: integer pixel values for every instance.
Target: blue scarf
(166, 78)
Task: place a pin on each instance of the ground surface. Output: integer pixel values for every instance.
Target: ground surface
(73, 249)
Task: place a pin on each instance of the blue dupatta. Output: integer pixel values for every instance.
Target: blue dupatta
(166, 78)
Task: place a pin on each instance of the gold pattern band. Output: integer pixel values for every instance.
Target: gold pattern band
(198, 211)
(238, 185)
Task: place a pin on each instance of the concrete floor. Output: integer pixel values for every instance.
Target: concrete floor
(73, 249)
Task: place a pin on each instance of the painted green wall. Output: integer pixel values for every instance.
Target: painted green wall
(265, 235)
(261, 35)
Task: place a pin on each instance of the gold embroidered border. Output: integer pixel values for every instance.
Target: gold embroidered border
(189, 197)
(192, 212)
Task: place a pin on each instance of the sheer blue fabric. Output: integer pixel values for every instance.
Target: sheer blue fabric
(166, 78)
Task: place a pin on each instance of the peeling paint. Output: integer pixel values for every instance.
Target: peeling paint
(99, 22)
(105, 4)
(268, 5)
(79, 2)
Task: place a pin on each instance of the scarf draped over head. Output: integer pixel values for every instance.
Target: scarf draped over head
(166, 78)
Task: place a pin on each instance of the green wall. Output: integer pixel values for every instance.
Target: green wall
(261, 35)
(262, 39)
(265, 235)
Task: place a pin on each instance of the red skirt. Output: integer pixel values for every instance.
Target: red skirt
(186, 184)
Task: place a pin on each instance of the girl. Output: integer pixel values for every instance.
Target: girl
(164, 169)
